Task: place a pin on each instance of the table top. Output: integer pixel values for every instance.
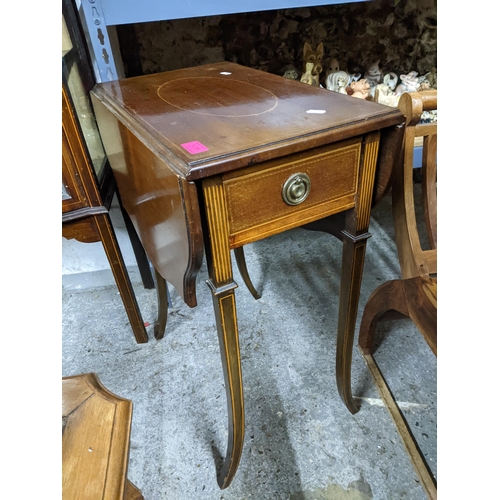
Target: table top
(220, 117)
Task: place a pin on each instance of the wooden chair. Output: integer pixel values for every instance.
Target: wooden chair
(414, 295)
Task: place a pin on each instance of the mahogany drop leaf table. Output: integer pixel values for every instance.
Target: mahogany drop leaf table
(218, 156)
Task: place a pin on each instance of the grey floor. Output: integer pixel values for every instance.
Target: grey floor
(301, 443)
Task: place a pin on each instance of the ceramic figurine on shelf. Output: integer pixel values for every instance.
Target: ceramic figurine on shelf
(428, 81)
(424, 86)
(360, 89)
(337, 82)
(432, 77)
(314, 57)
(373, 74)
(391, 80)
(384, 92)
(291, 73)
(384, 95)
(409, 83)
(308, 76)
(424, 82)
(333, 66)
(353, 78)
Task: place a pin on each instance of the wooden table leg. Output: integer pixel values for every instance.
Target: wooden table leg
(242, 268)
(227, 329)
(353, 256)
(354, 235)
(222, 286)
(161, 293)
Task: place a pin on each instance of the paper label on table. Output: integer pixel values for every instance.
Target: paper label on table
(316, 111)
(194, 147)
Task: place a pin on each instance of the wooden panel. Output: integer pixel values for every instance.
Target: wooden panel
(254, 195)
(162, 206)
(83, 230)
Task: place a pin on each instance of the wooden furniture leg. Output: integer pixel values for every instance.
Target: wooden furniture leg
(242, 268)
(421, 297)
(122, 279)
(132, 492)
(222, 286)
(389, 296)
(354, 235)
(162, 299)
(353, 255)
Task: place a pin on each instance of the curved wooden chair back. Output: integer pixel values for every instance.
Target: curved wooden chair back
(415, 294)
(415, 261)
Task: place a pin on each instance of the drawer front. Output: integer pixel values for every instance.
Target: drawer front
(256, 203)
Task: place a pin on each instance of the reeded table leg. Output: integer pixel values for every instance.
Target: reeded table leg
(222, 286)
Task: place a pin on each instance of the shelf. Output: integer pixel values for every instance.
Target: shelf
(126, 11)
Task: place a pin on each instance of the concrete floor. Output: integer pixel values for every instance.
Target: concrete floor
(301, 443)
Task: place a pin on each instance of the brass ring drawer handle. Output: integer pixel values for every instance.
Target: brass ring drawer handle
(296, 189)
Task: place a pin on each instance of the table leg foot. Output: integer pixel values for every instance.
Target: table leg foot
(227, 329)
(161, 293)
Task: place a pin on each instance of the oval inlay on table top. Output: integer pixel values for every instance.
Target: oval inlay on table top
(222, 97)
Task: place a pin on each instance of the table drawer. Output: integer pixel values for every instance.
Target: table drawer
(258, 207)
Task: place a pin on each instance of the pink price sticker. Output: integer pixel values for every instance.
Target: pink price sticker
(194, 147)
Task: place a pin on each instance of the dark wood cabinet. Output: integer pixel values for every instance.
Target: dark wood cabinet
(88, 184)
(85, 217)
